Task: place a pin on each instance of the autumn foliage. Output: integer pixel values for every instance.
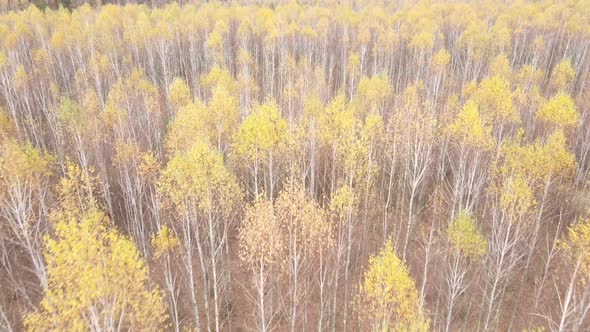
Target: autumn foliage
(295, 165)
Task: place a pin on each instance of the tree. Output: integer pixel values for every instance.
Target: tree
(575, 303)
(306, 234)
(388, 299)
(260, 142)
(562, 75)
(221, 118)
(343, 207)
(494, 98)
(522, 181)
(164, 243)
(468, 245)
(96, 280)
(185, 128)
(136, 175)
(205, 197)
(470, 128)
(418, 136)
(261, 245)
(471, 143)
(465, 237)
(25, 174)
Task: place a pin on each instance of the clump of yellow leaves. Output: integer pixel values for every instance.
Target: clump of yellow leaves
(469, 127)
(500, 67)
(23, 163)
(198, 176)
(537, 161)
(374, 90)
(343, 202)
(222, 116)
(96, 281)
(216, 76)
(526, 169)
(465, 237)
(261, 133)
(179, 93)
(76, 192)
(164, 241)
(441, 59)
(186, 127)
(576, 246)
(388, 295)
(516, 196)
(559, 111)
(494, 98)
(562, 74)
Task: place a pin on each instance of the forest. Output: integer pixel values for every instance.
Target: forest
(355, 165)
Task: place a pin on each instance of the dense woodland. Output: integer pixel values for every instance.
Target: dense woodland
(330, 166)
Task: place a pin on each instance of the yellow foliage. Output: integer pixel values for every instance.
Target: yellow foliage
(494, 98)
(562, 74)
(261, 133)
(149, 167)
(441, 59)
(217, 76)
(179, 93)
(76, 192)
(222, 114)
(164, 241)
(20, 77)
(96, 281)
(374, 90)
(517, 197)
(469, 88)
(537, 161)
(423, 40)
(500, 67)
(469, 127)
(465, 237)
(244, 57)
(388, 297)
(353, 63)
(477, 37)
(198, 177)
(215, 38)
(341, 132)
(23, 164)
(576, 246)
(69, 113)
(559, 111)
(343, 202)
(526, 168)
(186, 127)
(528, 75)
(136, 87)
(337, 123)
(373, 129)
